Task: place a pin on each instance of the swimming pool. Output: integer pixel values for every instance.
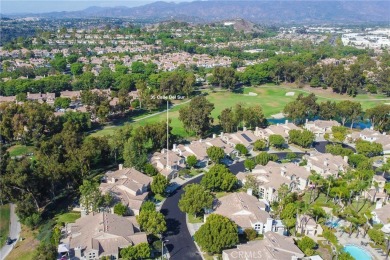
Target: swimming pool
(357, 252)
(333, 223)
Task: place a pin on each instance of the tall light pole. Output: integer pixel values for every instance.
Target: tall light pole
(162, 247)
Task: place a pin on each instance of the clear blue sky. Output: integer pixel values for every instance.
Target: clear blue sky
(43, 6)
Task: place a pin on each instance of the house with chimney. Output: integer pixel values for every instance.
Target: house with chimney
(273, 175)
(127, 186)
(101, 234)
(168, 163)
(381, 215)
(376, 193)
(273, 247)
(326, 164)
(245, 137)
(247, 212)
(320, 127)
(41, 97)
(307, 226)
(371, 135)
(72, 95)
(278, 129)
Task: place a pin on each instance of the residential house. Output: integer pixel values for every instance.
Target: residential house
(102, 234)
(273, 175)
(326, 164)
(373, 136)
(272, 247)
(4, 99)
(278, 129)
(245, 137)
(247, 212)
(307, 226)
(168, 163)
(381, 215)
(320, 127)
(128, 186)
(73, 95)
(376, 193)
(41, 97)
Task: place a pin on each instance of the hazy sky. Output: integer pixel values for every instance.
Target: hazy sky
(33, 6)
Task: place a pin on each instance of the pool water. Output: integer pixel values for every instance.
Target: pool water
(333, 224)
(357, 252)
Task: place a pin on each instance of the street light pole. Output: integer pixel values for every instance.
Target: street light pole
(162, 247)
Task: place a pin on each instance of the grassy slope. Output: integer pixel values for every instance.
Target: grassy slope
(271, 98)
(4, 223)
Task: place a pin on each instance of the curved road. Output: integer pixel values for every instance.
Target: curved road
(14, 232)
(181, 245)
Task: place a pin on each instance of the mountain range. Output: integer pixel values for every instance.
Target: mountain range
(266, 12)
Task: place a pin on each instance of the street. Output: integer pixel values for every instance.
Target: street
(15, 229)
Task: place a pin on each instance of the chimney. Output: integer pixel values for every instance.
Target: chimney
(214, 136)
(307, 120)
(268, 225)
(120, 166)
(345, 159)
(174, 147)
(326, 162)
(244, 128)
(257, 128)
(286, 122)
(249, 191)
(221, 134)
(200, 140)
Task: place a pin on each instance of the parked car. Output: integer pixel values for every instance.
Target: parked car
(9, 241)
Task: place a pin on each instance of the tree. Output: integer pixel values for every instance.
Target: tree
(302, 138)
(225, 77)
(120, 209)
(216, 154)
(62, 102)
(263, 158)
(194, 199)
(339, 133)
(345, 256)
(241, 149)
(377, 236)
(348, 111)
(191, 161)
(159, 184)
(148, 206)
(338, 150)
(295, 111)
(291, 156)
(137, 252)
(227, 120)
(249, 164)
(216, 234)
(150, 170)
(327, 110)
(219, 178)
(90, 196)
(369, 149)
(196, 116)
(277, 141)
(152, 222)
(250, 234)
(379, 117)
(76, 68)
(306, 244)
(259, 145)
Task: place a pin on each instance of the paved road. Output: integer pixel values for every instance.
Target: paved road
(180, 244)
(320, 146)
(15, 229)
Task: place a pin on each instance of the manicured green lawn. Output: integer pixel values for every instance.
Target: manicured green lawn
(18, 150)
(4, 223)
(271, 98)
(69, 217)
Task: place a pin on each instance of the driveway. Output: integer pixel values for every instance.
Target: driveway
(180, 244)
(14, 233)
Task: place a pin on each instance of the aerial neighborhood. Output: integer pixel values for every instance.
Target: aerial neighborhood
(124, 138)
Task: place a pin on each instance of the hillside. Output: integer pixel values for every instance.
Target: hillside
(266, 12)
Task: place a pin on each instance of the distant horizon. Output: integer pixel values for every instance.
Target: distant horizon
(15, 7)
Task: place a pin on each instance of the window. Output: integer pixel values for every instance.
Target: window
(261, 193)
(258, 226)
